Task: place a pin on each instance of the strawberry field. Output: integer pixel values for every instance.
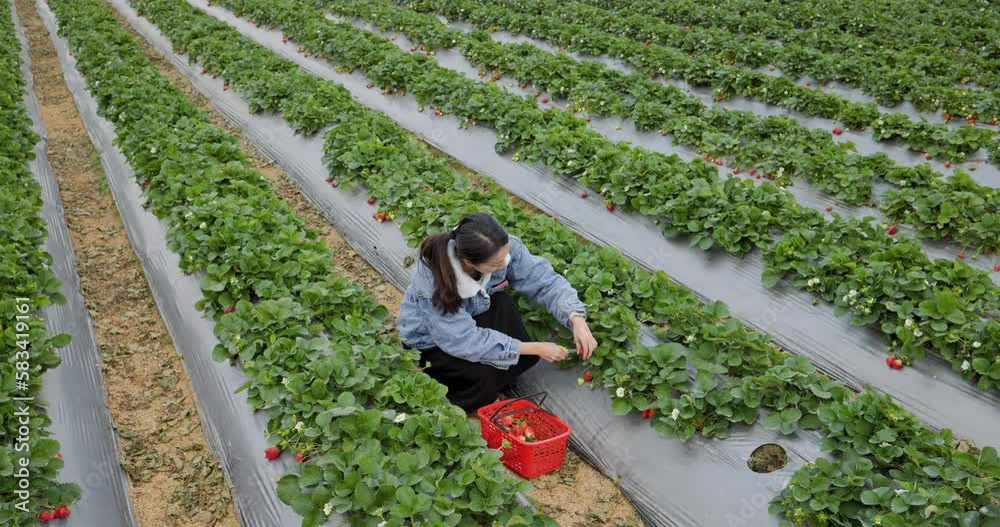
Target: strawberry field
(784, 220)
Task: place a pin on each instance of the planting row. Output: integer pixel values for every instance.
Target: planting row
(965, 31)
(928, 75)
(916, 302)
(29, 458)
(778, 147)
(738, 371)
(631, 38)
(377, 438)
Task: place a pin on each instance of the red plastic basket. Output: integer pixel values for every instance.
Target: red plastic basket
(527, 459)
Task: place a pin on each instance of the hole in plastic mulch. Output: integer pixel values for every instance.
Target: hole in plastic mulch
(767, 458)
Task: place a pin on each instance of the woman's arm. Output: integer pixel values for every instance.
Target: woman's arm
(458, 335)
(534, 276)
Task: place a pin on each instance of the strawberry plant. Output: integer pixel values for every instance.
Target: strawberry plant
(317, 389)
(748, 138)
(27, 284)
(689, 196)
(318, 360)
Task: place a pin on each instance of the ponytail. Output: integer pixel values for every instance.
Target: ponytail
(434, 254)
(477, 238)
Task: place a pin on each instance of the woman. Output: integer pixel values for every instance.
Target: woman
(467, 327)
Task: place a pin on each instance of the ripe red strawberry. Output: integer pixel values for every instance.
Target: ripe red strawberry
(993, 122)
(889, 360)
(371, 201)
(947, 116)
(299, 457)
(46, 516)
(808, 83)
(996, 268)
(229, 309)
(718, 162)
(862, 128)
(897, 364)
(545, 100)
(59, 455)
(961, 256)
(519, 437)
(947, 164)
(928, 157)
(535, 94)
(829, 209)
(383, 216)
(648, 413)
(507, 421)
(757, 176)
(375, 216)
(583, 195)
(422, 48)
(752, 171)
(145, 183)
(333, 184)
(587, 376)
(610, 207)
(413, 49)
(272, 452)
(61, 512)
(837, 131)
(892, 230)
(588, 119)
(203, 70)
(736, 171)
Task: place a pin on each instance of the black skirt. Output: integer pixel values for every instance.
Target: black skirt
(472, 385)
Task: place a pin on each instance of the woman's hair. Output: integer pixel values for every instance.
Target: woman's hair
(477, 238)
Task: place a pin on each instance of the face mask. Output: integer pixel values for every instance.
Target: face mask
(506, 262)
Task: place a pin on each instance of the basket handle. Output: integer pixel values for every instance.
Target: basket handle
(494, 417)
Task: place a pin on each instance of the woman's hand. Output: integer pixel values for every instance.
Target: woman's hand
(584, 340)
(546, 350)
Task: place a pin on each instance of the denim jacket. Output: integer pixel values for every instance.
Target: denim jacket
(423, 326)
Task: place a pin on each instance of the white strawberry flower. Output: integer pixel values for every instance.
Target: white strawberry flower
(966, 365)
(188, 214)
(976, 344)
(383, 523)
(285, 381)
(328, 508)
(300, 427)
(689, 339)
(675, 414)
(620, 392)
(399, 418)
(917, 333)
(900, 491)
(203, 225)
(908, 323)
(152, 150)
(237, 338)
